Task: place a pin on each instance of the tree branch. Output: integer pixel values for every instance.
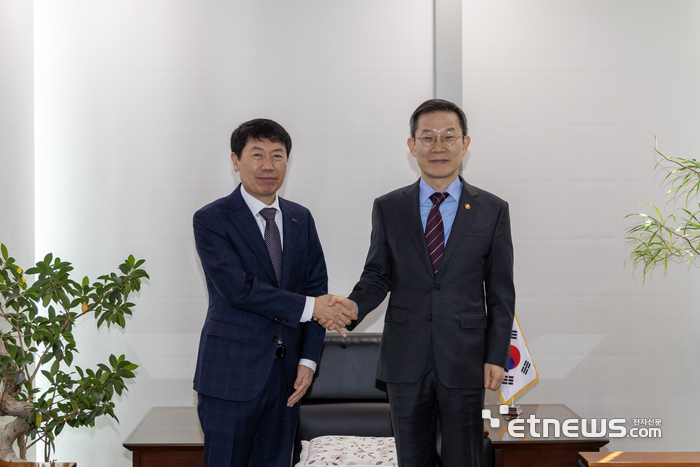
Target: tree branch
(8, 435)
(697, 173)
(685, 238)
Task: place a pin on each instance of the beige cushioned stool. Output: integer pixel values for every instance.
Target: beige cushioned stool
(348, 450)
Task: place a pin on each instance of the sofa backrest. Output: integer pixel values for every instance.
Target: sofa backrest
(347, 369)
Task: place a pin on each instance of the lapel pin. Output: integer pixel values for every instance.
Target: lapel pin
(293, 219)
(466, 206)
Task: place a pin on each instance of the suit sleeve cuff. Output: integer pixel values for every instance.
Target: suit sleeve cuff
(308, 311)
(310, 363)
(352, 325)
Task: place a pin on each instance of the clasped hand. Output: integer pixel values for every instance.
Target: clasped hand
(334, 312)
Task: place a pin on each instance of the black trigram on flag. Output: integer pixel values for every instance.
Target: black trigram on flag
(508, 380)
(514, 334)
(525, 368)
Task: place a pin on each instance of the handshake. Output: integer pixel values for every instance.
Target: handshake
(334, 312)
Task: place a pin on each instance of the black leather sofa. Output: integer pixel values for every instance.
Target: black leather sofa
(345, 398)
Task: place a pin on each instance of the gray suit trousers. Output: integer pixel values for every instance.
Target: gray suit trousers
(417, 407)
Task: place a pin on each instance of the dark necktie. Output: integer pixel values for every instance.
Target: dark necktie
(273, 242)
(435, 231)
(274, 249)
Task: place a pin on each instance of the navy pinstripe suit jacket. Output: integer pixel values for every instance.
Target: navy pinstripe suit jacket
(239, 337)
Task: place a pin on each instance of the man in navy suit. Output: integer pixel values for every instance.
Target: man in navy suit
(266, 278)
(443, 249)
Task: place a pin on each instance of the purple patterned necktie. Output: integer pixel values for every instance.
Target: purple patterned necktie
(434, 230)
(273, 242)
(274, 249)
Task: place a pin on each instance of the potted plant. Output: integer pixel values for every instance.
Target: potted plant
(657, 239)
(37, 338)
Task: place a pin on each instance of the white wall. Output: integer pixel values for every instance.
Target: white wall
(564, 100)
(16, 130)
(136, 102)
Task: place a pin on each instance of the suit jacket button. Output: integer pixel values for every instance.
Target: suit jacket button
(429, 318)
(436, 286)
(274, 338)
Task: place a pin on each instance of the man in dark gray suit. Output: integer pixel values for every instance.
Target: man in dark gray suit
(443, 249)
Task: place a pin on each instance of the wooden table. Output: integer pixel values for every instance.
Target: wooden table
(172, 437)
(642, 459)
(549, 451)
(167, 437)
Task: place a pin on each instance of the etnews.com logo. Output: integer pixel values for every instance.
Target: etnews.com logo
(576, 428)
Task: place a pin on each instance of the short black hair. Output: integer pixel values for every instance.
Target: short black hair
(437, 105)
(258, 129)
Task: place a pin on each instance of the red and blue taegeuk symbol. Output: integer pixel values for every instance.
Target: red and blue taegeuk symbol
(514, 357)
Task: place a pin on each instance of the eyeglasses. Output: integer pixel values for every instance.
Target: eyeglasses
(430, 139)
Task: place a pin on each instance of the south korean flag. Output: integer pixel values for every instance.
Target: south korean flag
(521, 372)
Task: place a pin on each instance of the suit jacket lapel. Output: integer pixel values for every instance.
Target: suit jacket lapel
(464, 219)
(245, 223)
(409, 211)
(291, 230)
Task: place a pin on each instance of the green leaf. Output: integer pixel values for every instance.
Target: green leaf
(139, 273)
(33, 312)
(101, 318)
(64, 298)
(4, 251)
(54, 367)
(19, 377)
